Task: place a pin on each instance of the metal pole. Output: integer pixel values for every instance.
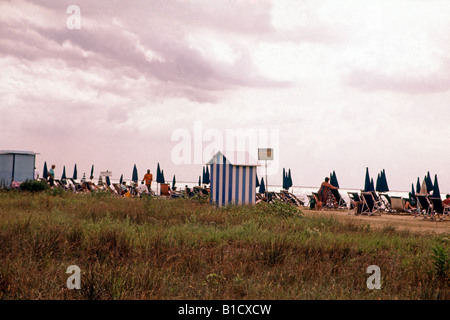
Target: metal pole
(267, 185)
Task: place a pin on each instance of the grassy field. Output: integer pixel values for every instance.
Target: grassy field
(186, 249)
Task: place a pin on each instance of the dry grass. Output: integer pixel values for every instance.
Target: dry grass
(186, 249)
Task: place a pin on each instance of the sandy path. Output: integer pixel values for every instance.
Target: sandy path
(399, 222)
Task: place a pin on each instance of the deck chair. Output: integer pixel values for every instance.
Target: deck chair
(438, 207)
(425, 205)
(378, 202)
(291, 198)
(341, 204)
(370, 204)
(355, 200)
(397, 204)
(387, 202)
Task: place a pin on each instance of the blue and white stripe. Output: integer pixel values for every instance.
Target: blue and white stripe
(232, 184)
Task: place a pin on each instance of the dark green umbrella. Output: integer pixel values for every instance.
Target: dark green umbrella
(161, 177)
(207, 178)
(158, 175)
(289, 179)
(418, 187)
(262, 188)
(367, 184)
(384, 184)
(333, 180)
(135, 174)
(429, 182)
(173, 183)
(378, 185)
(63, 177)
(436, 192)
(45, 172)
(75, 173)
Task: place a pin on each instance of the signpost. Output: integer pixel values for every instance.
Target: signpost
(266, 154)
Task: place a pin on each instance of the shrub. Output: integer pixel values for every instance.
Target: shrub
(33, 186)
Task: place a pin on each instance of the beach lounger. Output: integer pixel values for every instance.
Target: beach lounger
(291, 198)
(397, 204)
(370, 204)
(425, 206)
(355, 200)
(387, 202)
(438, 207)
(339, 201)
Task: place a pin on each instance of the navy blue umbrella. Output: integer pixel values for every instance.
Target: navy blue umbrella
(384, 181)
(92, 172)
(108, 182)
(63, 177)
(207, 178)
(412, 189)
(333, 180)
(173, 182)
(289, 179)
(284, 179)
(135, 174)
(367, 184)
(200, 181)
(378, 185)
(203, 175)
(436, 192)
(257, 181)
(75, 173)
(158, 175)
(262, 187)
(121, 179)
(428, 182)
(162, 177)
(418, 187)
(45, 172)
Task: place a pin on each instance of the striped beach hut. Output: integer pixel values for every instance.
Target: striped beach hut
(232, 178)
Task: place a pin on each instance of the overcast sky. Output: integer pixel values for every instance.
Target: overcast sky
(345, 84)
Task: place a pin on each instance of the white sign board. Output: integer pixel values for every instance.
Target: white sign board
(265, 154)
(106, 173)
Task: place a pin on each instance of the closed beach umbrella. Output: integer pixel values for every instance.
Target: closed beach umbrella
(429, 182)
(203, 175)
(412, 189)
(173, 182)
(418, 186)
(436, 192)
(378, 186)
(45, 171)
(284, 179)
(92, 172)
(135, 174)
(108, 182)
(158, 174)
(262, 187)
(199, 181)
(63, 177)
(384, 181)
(257, 181)
(289, 179)
(75, 173)
(162, 177)
(206, 181)
(121, 179)
(333, 180)
(372, 186)
(367, 185)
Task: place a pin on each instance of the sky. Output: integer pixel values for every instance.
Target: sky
(329, 85)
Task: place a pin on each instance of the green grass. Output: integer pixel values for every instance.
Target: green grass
(187, 249)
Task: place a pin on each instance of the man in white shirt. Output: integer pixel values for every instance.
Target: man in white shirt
(142, 189)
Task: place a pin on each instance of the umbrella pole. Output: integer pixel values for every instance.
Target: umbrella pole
(267, 184)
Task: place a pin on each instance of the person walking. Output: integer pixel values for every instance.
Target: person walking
(148, 178)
